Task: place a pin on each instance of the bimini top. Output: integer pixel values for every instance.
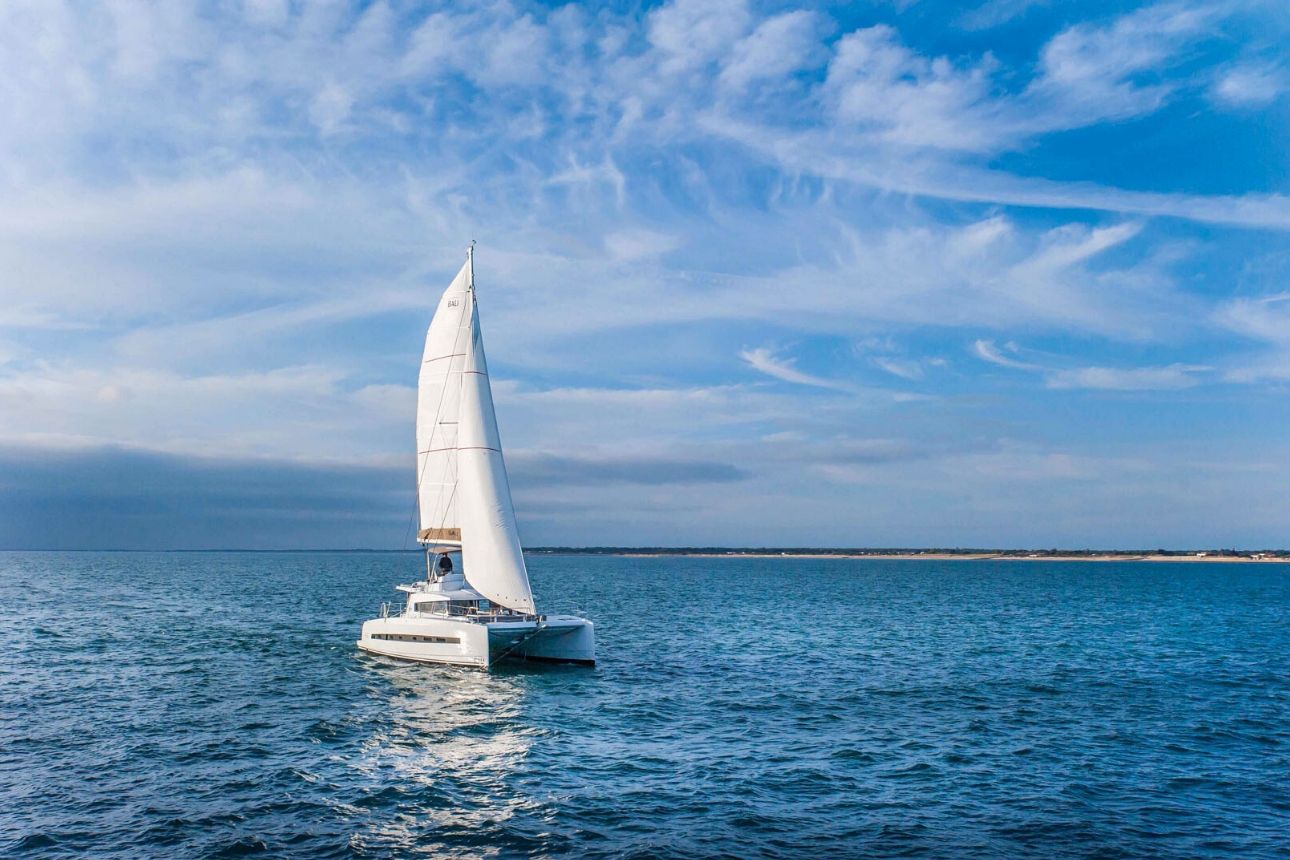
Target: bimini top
(452, 586)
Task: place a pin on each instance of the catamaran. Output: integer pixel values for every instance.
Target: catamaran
(478, 610)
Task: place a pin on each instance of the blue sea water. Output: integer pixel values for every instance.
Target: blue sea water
(214, 705)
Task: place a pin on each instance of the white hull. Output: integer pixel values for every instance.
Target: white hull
(461, 642)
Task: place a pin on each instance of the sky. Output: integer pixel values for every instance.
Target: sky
(917, 273)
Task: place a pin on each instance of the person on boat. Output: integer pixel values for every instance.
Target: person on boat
(445, 565)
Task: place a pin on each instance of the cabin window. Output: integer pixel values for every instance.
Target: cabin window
(431, 606)
(408, 637)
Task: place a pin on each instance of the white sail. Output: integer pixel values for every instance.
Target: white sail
(438, 403)
(491, 553)
(465, 503)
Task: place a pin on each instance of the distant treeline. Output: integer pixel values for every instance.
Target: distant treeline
(799, 550)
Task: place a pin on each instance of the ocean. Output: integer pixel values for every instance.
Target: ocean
(213, 705)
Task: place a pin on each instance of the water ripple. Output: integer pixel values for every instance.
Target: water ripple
(213, 705)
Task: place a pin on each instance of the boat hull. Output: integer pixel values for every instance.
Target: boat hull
(422, 639)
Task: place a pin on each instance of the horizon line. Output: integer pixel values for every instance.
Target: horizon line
(609, 549)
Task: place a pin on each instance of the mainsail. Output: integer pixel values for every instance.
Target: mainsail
(438, 402)
(468, 505)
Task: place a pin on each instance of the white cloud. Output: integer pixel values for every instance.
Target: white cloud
(879, 86)
(217, 87)
(1265, 319)
(903, 121)
(634, 245)
(516, 54)
(904, 368)
(330, 107)
(778, 47)
(270, 13)
(1249, 86)
(764, 360)
(639, 420)
(992, 13)
(1088, 73)
(195, 249)
(691, 33)
(435, 46)
(1073, 244)
(987, 351)
(842, 158)
(1168, 378)
(288, 412)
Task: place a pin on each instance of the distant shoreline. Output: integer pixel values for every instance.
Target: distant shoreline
(1227, 556)
(1199, 556)
(947, 556)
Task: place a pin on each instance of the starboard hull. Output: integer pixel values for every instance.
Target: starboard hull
(552, 639)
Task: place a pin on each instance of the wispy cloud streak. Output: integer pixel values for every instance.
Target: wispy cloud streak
(764, 360)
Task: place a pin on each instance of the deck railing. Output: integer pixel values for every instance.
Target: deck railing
(393, 610)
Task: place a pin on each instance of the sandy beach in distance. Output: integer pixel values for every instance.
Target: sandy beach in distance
(950, 556)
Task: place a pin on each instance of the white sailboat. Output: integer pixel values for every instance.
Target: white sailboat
(480, 609)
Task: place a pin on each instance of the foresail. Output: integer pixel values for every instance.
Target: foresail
(491, 553)
(438, 406)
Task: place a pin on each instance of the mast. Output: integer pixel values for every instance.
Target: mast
(463, 494)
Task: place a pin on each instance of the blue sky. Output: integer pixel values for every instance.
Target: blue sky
(909, 273)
